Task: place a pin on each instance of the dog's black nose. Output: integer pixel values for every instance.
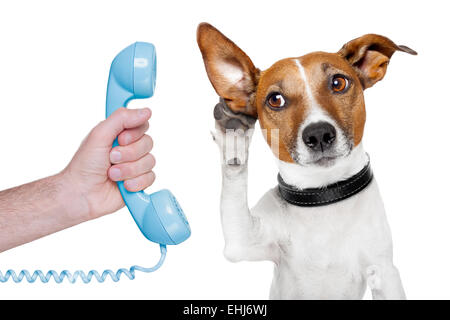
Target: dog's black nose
(319, 136)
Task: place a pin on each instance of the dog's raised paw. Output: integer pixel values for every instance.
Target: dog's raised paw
(233, 145)
(226, 119)
(234, 162)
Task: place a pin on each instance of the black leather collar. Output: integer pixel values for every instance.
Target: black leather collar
(314, 197)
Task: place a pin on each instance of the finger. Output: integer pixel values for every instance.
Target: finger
(130, 170)
(131, 135)
(132, 152)
(140, 183)
(121, 119)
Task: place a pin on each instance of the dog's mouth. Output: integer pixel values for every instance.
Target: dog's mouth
(320, 159)
(325, 161)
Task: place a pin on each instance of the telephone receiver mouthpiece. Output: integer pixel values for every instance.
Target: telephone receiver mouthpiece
(133, 76)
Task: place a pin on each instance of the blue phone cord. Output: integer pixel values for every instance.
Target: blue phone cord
(59, 277)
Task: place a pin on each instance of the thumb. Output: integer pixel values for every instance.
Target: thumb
(121, 119)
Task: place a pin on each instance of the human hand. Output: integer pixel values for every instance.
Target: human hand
(95, 167)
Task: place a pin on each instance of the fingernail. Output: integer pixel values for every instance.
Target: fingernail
(115, 156)
(127, 139)
(131, 184)
(143, 112)
(115, 174)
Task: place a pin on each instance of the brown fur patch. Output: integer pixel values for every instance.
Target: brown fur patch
(346, 109)
(282, 77)
(217, 50)
(370, 55)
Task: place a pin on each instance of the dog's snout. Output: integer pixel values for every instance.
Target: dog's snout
(319, 136)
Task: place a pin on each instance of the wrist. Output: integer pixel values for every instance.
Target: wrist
(71, 198)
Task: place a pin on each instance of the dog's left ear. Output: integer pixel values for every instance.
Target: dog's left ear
(369, 55)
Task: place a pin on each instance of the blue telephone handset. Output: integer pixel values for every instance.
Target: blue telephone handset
(158, 215)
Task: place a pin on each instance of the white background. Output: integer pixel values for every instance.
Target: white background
(54, 63)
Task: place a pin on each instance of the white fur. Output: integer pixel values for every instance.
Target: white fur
(328, 252)
(317, 176)
(302, 73)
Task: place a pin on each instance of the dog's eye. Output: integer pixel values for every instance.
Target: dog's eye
(339, 83)
(276, 100)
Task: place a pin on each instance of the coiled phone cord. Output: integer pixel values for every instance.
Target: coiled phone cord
(72, 278)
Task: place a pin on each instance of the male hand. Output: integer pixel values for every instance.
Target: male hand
(96, 167)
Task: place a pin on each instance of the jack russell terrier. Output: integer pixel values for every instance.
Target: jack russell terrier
(324, 226)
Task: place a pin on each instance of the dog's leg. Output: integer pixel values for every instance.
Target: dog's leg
(385, 283)
(244, 234)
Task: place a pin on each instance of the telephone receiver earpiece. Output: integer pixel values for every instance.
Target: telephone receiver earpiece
(158, 215)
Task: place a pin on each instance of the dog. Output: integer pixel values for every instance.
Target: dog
(324, 226)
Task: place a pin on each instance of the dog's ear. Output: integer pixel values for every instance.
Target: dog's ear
(370, 55)
(230, 70)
